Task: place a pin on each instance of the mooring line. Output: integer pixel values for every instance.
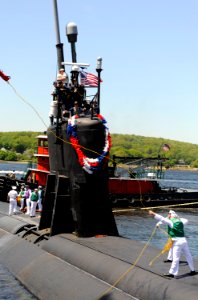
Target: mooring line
(154, 207)
(130, 268)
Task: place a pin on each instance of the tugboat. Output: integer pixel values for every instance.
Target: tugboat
(38, 175)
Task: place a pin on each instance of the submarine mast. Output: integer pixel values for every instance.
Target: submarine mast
(59, 45)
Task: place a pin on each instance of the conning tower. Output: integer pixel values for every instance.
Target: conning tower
(76, 197)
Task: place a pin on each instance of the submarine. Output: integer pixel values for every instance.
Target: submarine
(73, 250)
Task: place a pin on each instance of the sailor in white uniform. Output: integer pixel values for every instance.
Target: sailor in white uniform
(40, 192)
(170, 252)
(12, 195)
(180, 244)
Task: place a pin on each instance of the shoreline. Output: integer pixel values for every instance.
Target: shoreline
(183, 169)
(13, 162)
(176, 168)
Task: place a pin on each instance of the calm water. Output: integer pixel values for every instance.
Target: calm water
(133, 225)
(180, 179)
(10, 288)
(14, 167)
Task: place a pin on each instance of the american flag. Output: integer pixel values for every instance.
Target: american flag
(166, 147)
(89, 79)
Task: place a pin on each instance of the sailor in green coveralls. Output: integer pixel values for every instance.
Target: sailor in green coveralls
(34, 200)
(180, 244)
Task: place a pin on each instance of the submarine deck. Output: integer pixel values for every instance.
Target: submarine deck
(88, 268)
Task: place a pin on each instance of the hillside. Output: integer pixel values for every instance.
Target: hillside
(16, 146)
(135, 145)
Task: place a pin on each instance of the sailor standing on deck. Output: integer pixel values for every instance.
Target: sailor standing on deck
(184, 221)
(40, 197)
(12, 195)
(27, 197)
(180, 244)
(34, 199)
(22, 197)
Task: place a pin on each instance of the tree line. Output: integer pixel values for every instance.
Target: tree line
(20, 146)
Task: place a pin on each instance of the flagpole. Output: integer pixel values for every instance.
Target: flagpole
(159, 160)
(99, 70)
(159, 164)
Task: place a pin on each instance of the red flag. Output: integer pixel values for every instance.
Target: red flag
(4, 76)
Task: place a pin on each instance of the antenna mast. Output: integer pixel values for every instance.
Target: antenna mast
(59, 45)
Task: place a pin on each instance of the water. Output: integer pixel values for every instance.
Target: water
(10, 288)
(13, 167)
(136, 225)
(180, 179)
(7, 166)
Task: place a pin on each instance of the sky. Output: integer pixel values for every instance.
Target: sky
(150, 63)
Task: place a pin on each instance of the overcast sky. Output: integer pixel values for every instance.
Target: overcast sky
(150, 62)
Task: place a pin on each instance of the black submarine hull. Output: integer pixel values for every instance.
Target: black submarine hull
(69, 267)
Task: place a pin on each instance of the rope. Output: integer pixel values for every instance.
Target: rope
(26, 102)
(130, 268)
(154, 207)
(166, 248)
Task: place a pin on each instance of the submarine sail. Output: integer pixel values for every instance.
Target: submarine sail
(76, 196)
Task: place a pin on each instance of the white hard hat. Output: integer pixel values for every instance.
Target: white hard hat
(14, 187)
(173, 213)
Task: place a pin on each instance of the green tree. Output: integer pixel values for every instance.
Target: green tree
(12, 156)
(3, 154)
